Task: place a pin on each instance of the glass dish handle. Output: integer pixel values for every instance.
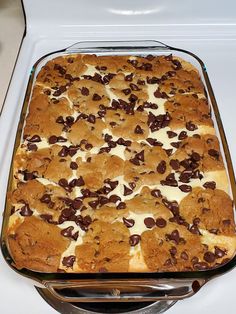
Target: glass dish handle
(99, 46)
(123, 290)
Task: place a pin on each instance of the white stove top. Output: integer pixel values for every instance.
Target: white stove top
(214, 44)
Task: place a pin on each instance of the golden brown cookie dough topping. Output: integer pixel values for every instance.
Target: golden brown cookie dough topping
(119, 168)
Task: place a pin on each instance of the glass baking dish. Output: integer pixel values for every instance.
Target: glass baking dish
(120, 287)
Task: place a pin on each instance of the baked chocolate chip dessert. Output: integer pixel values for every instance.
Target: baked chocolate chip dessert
(119, 170)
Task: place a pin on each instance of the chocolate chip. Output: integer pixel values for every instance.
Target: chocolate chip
(196, 221)
(123, 142)
(111, 144)
(96, 97)
(170, 180)
(185, 188)
(47, 218)
(218, 252)
(88, 146)
(68, 261)
(182, 135)
(26, 211)
(80, 181)
(175, 144)
(107, 138)
(104, 150)
(75, 235)
(63, 152)
(205, 210)
(161, 167)
(93, 204)
(173, 251)
(201, 266)
(60, 120)
(52, 139)
(140, 82)
(185, 176)
(195, 156)
(191, 126)
(103, 200)
(28, 175)
(172, 206)
(128, 222)
(149, 222)
(214, 153)
(134, 239)
(153, 142)
(133, 98)
(160, 222)
(68, 212)
(194, 229)
(91, 118)
(156, 193)
(126, 91)
(140, 156)
(35, 139)
(209, 185)
(121, 205)
(209, 257)
(138, 130)
(113, 184)
(184, 256)
(174, 163)
(67, 232)
(114, 198)
(129, 77)
(46, 198)
(76, 204)
(127, 191)
(63, 182)
(135, 161)
(171, 134)
(159, 94)
(73, 165)
(174, 236)
(132, 185)
(155, 123)
(169, 151)
(134, 87)
(226, 222)
(32, 147)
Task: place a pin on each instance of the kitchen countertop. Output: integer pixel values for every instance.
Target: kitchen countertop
(12, 27)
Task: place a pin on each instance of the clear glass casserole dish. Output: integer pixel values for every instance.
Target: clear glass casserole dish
(141, 286)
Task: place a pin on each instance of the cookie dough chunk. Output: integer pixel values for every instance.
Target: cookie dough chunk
(132, 126)
(172, 248)
(128, 90)
(181, 82)
(87, 96)
(98, 168)
(43, 115)
(105, 248)
(188, 109)
(201, 152)
(84, 132)
(37, 245)
(46, 199)
(145, 164)
(61, 70)
(109, 64)
(148, 201)
(211, 209)
(46, 162)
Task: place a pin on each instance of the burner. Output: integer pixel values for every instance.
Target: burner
(106, 307)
